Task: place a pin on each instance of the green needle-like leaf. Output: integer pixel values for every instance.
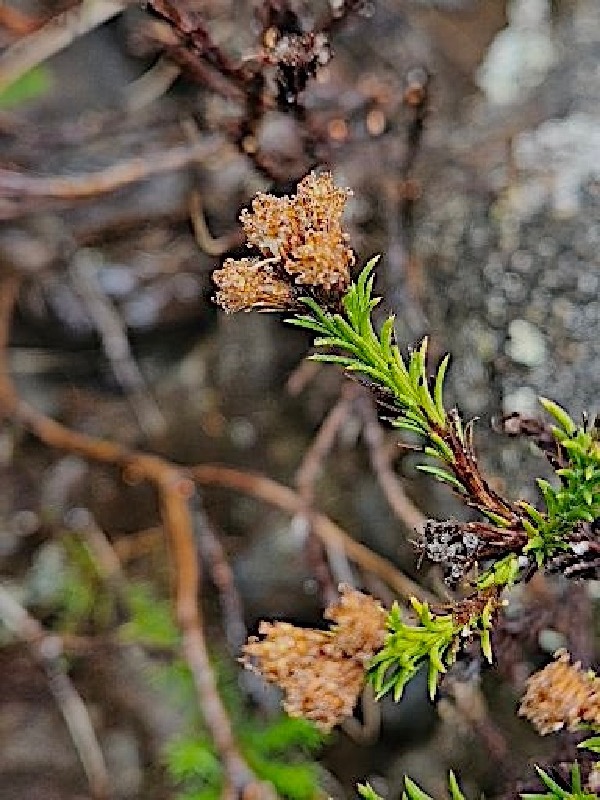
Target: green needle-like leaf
(413, 791)
(560, 415)
(455, 791)
(438, 391)
(441, 475)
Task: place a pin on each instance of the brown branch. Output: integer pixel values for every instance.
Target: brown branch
(479, 494)
(15, 21)
(321, 558)
(137, 544)
(108, 323)
(190, 28)
(174, 495)
(47, 650)
(328, 532)
(215, 558)
(79, 186)
(210, 245)
(55, 35)
(191, 64)
(175, 487)
(143, 466)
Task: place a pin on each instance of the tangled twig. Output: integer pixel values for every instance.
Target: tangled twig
(47, 650)
(174, 488)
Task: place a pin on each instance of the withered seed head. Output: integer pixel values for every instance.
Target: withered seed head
(321, 672)
(250, 283)
(303, 242)
(305, 232)
(561, 695)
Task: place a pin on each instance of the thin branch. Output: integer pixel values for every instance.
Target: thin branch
(402, 506)
(84, 273)
(79, 186)
(215, 558)
(139, 543)
(301, 376)
(288, 500)
(175, 490)
(174, 496)
(323, 442)
(210, 245)
(471, 704)
(189, 29)
(47, 649)
(105, 556)
(305, 479)
(154, 83)
(54, 36)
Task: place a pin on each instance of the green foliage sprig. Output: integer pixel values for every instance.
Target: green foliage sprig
(577, 498)
(435, 642)
(574, 791)
(514, 538)
(277, 751)
(413, 791)
(404, 383)
(348, 338)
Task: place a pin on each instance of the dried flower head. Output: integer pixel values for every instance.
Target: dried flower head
(321, 672)
(303, 243)
(561, 695)
(250, 283)
(457, 546)
(296, 58)
(305, 232)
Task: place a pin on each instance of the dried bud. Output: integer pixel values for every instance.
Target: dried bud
(457, 546)
(451, 544)
(321, 672)
(297, 58)
(250, 283)
(561, 695)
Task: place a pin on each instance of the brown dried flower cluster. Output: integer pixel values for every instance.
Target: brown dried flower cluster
(303, 244)
(250, 283)
(321, 672)
(562, 694)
